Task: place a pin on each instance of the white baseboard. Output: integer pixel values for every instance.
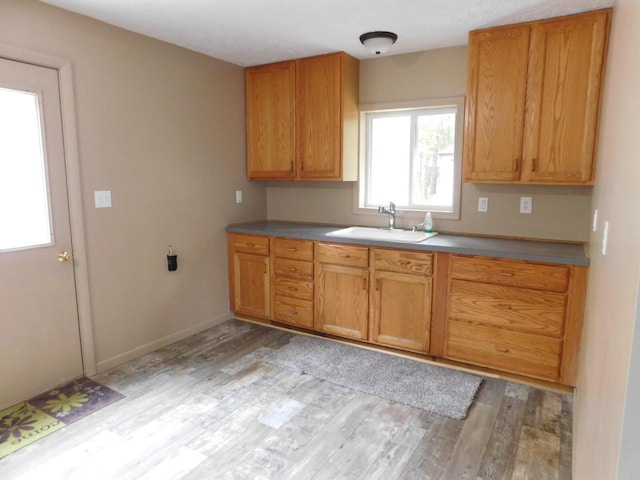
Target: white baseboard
(121, 358)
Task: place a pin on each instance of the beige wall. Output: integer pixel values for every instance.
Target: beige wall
(612, 299)
(560, 213)
(163, 129)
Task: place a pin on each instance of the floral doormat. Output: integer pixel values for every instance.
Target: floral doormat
(29, 421)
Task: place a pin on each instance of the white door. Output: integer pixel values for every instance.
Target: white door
(39, 332)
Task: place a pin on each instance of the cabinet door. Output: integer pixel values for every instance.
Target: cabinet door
(319, 120)
(401, 310)
(495, 104)
(251, 284)
(565, 76)
(342, 300)
(270, 100)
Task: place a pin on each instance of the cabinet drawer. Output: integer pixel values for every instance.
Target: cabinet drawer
(293, 311)
(510, 272)
(292, 248)
(523, 310)
(251, 244)
(503, 349)
(349, 255)
(295, 269)
(293, 288)
(403, 261)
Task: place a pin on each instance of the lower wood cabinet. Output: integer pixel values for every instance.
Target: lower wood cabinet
(292, 281)
(400, 313)
(249, 291)
(516, 316)
(342, 290)
(507, 315)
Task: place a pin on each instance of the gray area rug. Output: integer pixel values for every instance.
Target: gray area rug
(438, 390)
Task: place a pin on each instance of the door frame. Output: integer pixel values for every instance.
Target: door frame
(74, 191)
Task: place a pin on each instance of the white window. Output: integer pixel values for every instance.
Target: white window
(411, 155)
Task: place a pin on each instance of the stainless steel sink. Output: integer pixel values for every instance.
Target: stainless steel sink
(369, 233)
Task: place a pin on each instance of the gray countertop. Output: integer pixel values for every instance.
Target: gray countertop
(538, 251)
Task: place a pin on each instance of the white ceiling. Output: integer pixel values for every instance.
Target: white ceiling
(252, 32)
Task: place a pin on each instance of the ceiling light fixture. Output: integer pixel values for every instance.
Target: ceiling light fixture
(378, 42)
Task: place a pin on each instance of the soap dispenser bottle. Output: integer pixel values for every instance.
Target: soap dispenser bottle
(428, 223)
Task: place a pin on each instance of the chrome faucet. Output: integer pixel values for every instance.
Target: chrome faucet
(391, 211)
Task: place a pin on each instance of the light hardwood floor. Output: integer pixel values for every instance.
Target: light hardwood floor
(208, 407)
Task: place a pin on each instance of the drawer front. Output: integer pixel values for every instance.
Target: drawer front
(519, 309)
(522, 353)
(251, 244)
(338, 254)
(510, 272)
(403, 261)
(293, 311)
(294, 269)
(292, 248)
(288, 287)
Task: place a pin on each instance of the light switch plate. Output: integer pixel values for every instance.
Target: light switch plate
(102, 198)
(238, 196)
(483, 204)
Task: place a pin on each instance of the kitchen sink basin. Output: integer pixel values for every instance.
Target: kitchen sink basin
(380, 234)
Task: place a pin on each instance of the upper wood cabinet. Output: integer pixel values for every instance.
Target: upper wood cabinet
(494, 118)
(566, 65)
(533, 99)
(270, 103)
(302, 119)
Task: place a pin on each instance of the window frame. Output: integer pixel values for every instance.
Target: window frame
(410, 214)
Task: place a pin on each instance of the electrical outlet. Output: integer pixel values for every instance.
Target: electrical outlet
(526, 204)
(483, 204)
(238, 196)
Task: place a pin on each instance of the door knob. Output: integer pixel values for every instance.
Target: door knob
(64, 257)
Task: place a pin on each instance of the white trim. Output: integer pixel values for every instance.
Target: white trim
(412, 216)
(74, 191)
(163, 342)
